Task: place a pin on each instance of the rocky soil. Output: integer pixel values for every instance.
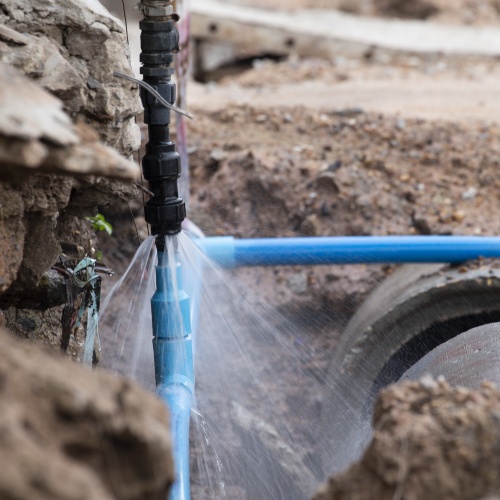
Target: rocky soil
(430, 441)
(292, 171)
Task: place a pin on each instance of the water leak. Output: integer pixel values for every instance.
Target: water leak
(257, 429)
(125, 319)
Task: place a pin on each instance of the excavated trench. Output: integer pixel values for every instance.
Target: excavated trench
(321, 171)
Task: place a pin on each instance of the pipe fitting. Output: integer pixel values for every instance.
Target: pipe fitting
(156, 8)
(161, 164)
(153, 11)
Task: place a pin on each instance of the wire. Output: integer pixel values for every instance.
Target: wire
(135, 225)
(153, 92)
(125, 20)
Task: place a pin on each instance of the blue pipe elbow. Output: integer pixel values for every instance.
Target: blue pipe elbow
(229, 252)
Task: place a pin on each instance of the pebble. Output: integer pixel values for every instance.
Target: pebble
(427, 382)
(469, 194)
(458, 215)
(310, 226)
(333, 167)
(325, 209)
(217, 155)
(326, 182)
(363, 200)
(298, 283)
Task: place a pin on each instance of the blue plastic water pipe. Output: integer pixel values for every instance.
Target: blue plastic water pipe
(230, 252)
(173, 356)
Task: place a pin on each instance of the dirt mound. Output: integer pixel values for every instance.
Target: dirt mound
(293, 171)
(430, 441)
(68, 433)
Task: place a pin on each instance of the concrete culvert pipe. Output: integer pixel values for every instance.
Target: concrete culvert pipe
(415, 310)
(466, 360)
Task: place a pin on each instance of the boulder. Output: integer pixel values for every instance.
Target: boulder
(54, 166)
(45, 188)
(71, 48)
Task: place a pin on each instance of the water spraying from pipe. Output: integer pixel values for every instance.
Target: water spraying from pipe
(173, 353)
(259, 374)
(256, 439)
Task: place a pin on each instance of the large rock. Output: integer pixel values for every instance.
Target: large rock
(71, 48)
(69, 433)
(36, 134)
(39, 212)
(430, 441)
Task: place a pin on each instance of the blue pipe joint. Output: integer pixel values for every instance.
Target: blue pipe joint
(172, 342)
(174, 362)
(220, 249)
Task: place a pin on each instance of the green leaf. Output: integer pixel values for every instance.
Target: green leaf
(106, 226)
(99, 223)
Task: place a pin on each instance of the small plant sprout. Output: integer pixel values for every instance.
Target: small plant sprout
(99, 223)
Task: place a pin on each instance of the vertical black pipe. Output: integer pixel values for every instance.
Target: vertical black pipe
(161, 164)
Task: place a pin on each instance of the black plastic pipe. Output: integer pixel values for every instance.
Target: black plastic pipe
(161, 164)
